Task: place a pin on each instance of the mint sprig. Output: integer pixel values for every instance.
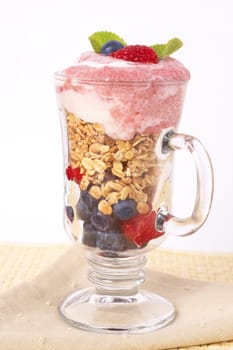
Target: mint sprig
(164, 50)
(98, 39)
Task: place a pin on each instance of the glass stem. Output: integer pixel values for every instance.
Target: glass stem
(116, 276)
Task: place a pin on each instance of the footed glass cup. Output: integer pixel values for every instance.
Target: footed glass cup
(119, 139)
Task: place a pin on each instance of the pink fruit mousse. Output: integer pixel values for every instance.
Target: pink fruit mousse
(128, 98)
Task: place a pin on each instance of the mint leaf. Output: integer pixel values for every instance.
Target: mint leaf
(98, 39)
(164, 50)
(172, 46)
(159, 49)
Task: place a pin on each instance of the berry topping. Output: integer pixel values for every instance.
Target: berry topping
(107, 42)
(137, 53)
(141, 229)
(111, 46)
(110, 241)
(73, 174)
(69, 213)
(125, 209)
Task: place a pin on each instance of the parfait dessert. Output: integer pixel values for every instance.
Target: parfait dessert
(115, 103)
(120, 105)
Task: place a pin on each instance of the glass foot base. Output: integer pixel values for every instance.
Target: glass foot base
(138, 313)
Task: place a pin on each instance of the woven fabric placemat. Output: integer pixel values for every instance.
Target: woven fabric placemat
(20, 263)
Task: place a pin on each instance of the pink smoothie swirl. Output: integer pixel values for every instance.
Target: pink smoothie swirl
(128, 98)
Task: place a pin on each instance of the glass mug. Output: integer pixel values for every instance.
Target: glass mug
(118, 193)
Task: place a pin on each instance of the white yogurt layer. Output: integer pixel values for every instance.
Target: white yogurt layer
(91, 108)
(86, 106)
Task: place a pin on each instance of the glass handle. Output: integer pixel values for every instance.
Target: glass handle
(204, 186)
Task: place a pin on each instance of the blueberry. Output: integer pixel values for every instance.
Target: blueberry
(83, 211)
(69, 213)
(125, 209)
(108, 176)
(90, 201)
(110, 241)
(111, 46)
(89, 234)
(102, 222)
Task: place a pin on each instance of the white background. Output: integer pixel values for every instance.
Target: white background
(39, 37)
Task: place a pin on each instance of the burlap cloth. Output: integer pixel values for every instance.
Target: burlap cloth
(28, 311)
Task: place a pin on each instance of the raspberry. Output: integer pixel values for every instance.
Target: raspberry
(136, 53)
(73, 174)
(77, 175)
(141, 229)
(69, 173)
